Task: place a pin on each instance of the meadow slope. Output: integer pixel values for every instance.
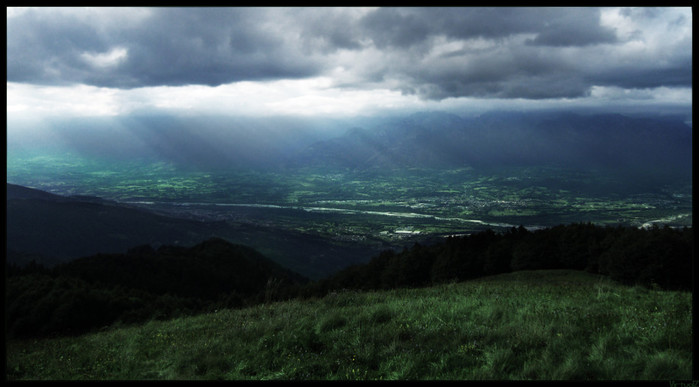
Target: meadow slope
(553, 324)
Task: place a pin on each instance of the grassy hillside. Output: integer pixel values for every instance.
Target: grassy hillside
(555, 324)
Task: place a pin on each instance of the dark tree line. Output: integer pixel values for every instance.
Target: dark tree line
(93, 292)
(652, 257)
(143, 284)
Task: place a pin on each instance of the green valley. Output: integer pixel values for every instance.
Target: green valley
(368, 203)
(349, 193)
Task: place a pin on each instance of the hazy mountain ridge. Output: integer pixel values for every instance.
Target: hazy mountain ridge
(63, 228)
(15, 191)
(423, 139)
(50, 229)
(608, 141)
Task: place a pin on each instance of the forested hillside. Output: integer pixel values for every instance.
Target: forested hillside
(143, 284)
(655, 257)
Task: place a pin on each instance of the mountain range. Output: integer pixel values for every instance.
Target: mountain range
(643, 147)
(52, 229)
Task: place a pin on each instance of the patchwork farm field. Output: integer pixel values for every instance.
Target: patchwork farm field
(371, 204)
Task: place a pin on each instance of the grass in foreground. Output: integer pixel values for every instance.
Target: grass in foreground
(525, 325)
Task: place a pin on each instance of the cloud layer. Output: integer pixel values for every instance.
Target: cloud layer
(432, 53)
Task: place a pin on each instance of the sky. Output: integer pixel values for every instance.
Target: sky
(344, 62)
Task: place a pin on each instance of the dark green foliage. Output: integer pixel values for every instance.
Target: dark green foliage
(579, 244)
(646, 257)
(375, 268)
(649, 257)
(33, 267)
(498, 257)
(535, 252)
(414, 267)
(545, 249)
(39, 304)
(143, 284)
(205, 271)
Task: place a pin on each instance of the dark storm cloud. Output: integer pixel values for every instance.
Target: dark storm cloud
(208, 46)
(529, 53)
(402, 27)
(41, 47)
(631, 78)
(174, 46)
(578, 28)
(536, 53)
(325, 29)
